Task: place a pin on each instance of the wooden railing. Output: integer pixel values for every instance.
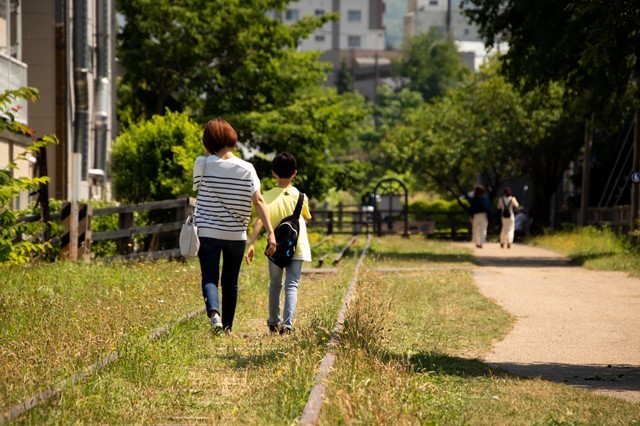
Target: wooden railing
(127, 230)
(341, 220)
(617, 218)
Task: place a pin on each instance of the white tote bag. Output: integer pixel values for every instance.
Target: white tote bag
(189, 241)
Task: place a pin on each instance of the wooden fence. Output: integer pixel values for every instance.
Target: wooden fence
(345, 219)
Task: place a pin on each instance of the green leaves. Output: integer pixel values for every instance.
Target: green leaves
(153, 159)
(211, 57)
(312, 128)
(11, 187)
(432, 64)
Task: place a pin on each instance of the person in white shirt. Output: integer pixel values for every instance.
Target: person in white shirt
(506, 204)
(227, 187)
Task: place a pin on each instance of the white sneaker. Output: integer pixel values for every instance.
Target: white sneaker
(216, 321)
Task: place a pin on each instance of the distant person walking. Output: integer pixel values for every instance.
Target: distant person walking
(281, 202)
(227, 186)
(479, 210)
(506, 204)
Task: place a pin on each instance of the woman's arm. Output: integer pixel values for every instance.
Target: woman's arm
(263, 215)
(257, 227)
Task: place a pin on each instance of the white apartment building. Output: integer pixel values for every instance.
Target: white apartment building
(357, 37)
(359, 27)
(440, 15)
(445, 16)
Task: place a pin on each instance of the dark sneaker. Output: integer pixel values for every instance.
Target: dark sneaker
(285, 330)
(274, 329)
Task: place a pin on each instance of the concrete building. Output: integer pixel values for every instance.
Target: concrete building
(356, 37)
(65, 49)
(446, 17)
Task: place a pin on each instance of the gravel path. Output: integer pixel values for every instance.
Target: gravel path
(574, 325)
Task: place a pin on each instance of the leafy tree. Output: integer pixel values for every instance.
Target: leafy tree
(11, 187)
(211, 57)
(592, 46)
(344, 82)
(432, 64)
(153, 159)
(487, 129)
(311, 129)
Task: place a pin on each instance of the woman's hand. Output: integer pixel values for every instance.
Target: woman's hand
(250, 253)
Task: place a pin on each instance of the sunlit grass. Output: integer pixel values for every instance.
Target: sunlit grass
(411, 354)
(193, 376)
(593, 248)
(57, 318)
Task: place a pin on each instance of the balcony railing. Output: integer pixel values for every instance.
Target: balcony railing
(13, 75)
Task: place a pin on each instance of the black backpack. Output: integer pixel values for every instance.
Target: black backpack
(287, 236)
(506, 210)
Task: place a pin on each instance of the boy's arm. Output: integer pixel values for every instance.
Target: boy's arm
(257, 227)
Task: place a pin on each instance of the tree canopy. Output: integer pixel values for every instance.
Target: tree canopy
(592, 46)
(431, 64)
(313, 128)
(486, 128)
(211, 57)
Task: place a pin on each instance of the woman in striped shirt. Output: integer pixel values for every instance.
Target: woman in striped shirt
(227, 187)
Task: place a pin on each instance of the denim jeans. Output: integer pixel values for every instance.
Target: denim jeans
(291, 281)
(209, 254)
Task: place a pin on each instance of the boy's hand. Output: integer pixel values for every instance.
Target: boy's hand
(271, 244)
(250, 253)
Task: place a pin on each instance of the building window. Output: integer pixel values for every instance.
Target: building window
(319, 12)
(354, 16)
(292, 14)
(353, 41)
(433, 2)
(319, 38)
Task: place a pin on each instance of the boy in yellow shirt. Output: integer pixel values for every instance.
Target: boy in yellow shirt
(281, 202)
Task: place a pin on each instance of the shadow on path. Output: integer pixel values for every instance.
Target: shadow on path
(591, 377)
(424, 257)
(524, 262)
(601, 378)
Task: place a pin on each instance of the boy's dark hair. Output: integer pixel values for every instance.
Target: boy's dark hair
(284, 165)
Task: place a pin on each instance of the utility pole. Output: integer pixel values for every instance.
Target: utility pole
(635, 187)
(586, 171)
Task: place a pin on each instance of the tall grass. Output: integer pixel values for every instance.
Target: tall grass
(57, 318)
(594, 248)
(412, 347)
(192, 376)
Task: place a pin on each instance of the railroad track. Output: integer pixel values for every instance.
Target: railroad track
(314, 403)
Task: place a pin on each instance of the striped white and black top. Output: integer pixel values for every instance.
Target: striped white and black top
(224, 196)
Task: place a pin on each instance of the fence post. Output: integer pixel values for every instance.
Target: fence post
(86, 248)
(329, 223)
(452, 221)
(125, 244)
(340, 212)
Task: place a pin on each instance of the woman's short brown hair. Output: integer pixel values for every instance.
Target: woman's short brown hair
(218, 134)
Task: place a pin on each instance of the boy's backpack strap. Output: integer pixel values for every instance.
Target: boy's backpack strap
(298, 210)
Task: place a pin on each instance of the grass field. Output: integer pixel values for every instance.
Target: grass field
(593, 248)
(410, 352)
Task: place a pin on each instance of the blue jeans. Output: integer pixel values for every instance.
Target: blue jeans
(232, 254)
(291, 281)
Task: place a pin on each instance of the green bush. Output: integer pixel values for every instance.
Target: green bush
(152, 160)
(433, 210)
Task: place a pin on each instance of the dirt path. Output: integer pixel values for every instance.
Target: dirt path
(574, 325)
